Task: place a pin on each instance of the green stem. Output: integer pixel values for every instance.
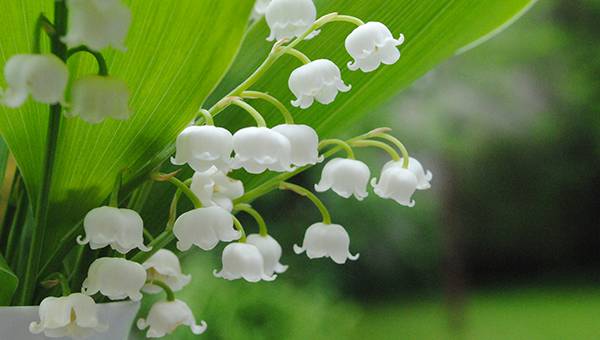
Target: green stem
(18, 219)
(380, 145)
(247, 208)
(64, 246)
(114, 196)
(208, 119)
(186, 191)
(42, 24)
(260, 121)
(161, 241)
(299, 55)
(398, 144)
(165, 287)
(348, 18)
(339, 142)
(308, 194)
(102, 68)
(148, 235)
(173, 210)
(240, 228)
(287, 116)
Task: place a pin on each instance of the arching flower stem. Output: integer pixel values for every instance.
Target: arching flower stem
(345, 145)
(240, 228)
(247, 208)
(298, 55)
(42, 24)
(165, 287)
(287, 116)
(173, 210)
(398, 144)
(102, 68)
(312, 197)
(208, 119)
(371, 143)
(260, 121)
(180, 186)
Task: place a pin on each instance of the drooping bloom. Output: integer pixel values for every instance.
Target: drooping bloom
(326, 240)
(115, 278)
(259, 148)
(423, 177)
(122, 229)
(97, 24)
(43, 76)
(165, 316)
(204, 227)
(372, 44)
(304, 142)
(288, 19)
(346, 177)
(214, 188)
(271, 252)
(164, 266)
(95, 98)
(260, 8)
(318, 80)
(74, 316)
(243, 260)
(396, 183)
(203, 147)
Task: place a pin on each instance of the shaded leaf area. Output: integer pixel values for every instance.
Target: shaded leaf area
(8, 282)
(177, 53)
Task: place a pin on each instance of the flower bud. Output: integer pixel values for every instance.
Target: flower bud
(370, 45)
(95, 98)
(97, 24)
(396, 183)
(122, 229)
(326, 240)
(115, 278)
(346, 177)
(304, 143)
(270, 250)
(258, 149)
(74, 316)
(318, 80)
(164, 266)
(214, 188)
(203, 147)
(243, 260)
(43, 76)
(204, 227)
(165, 316)
(288, 19)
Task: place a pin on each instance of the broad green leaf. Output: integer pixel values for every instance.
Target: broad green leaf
(177, 53)
(8, 282)
(434, 31)
(3, 159)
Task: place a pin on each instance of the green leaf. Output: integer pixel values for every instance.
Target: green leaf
(177, 53)
(8, 282)
(434, 31)
(3, 161)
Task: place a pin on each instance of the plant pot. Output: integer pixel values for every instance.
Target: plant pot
(14, 321)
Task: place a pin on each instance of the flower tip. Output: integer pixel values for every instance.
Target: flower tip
(35, 327)
(400, 40)
(141, 324)
(353, 257)
(298, 250)
(217, 273)
(81, 240)
(199, 329)
(144, 248)
(182, 246)
(269, 278)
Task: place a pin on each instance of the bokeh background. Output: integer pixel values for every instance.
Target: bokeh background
(507, 243)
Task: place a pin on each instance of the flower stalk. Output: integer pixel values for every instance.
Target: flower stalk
(312, 197)
(247, 208)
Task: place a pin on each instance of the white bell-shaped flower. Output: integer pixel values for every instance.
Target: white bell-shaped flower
(258, 149)
(74, 316)
(204, 227)
(372, 44)
(121, 229)
(97, 24)
(271, 252)
(423, 177)
(396, 183)
(304, 142)
(43, 76)
(164, 266)
(346, 177)
(260, 8)
(243, 260)
(203, 147)
(95, 98)
(214, 188)
(165, 316)
(288, 19)
(115, 278)
(326, 240)
(318, 80)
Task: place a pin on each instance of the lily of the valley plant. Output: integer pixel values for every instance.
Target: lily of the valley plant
(130, 261)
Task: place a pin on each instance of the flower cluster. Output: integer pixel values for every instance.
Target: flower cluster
(213, 153)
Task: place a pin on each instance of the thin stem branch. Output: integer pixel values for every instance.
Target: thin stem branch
(371, 143)
(208, 119)
(247, 208)
(340, 143)
(240, 228)
(312, 197)
(42, 24)
(165, 287)
(260, 121)
(398, 144)
(102, 68)
(186, 191)
(287, 115)
(298, 55)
